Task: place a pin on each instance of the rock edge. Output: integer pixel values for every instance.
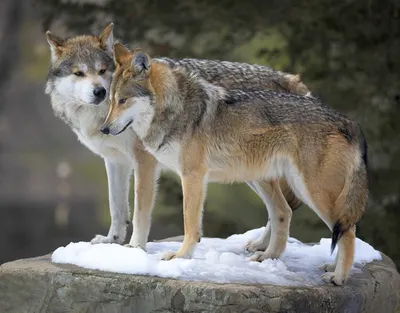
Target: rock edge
(36, 285)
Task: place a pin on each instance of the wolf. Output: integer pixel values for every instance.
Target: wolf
(208, 133)
(78, 84)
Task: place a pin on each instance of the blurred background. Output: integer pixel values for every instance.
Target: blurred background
(53, 190)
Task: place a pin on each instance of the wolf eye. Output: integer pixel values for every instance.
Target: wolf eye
(79, 74)
(122, 101)
(101, 72)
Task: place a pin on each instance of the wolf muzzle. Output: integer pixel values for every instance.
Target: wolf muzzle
(100, 94)
(106, 129)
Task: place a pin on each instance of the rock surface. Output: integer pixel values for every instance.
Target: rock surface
(37, 285)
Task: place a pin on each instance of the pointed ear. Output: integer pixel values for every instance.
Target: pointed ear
(121, 54)
(141, 62)
(106, 38)
(56, 44)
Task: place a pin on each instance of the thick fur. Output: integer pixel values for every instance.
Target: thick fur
(73, 100)
(205, 132)
(234, 75)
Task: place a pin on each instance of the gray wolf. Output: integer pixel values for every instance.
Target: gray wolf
(207, 133)
(78, 85)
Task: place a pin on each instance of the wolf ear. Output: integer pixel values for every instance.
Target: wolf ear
(121, 54)
(141, 62)
(56, 44)
(107, 38)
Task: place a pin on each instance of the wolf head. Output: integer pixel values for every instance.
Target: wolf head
(81, 67)
(134, 87)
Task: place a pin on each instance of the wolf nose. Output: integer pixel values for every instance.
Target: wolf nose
(105, 130)
(100, 92)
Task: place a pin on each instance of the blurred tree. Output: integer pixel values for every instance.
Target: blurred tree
(10, 18)
(347, 51)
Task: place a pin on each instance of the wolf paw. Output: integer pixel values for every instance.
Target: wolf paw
(139, 246)
(168, 256)
(106, 239)
(333, 278)
(260, 256)
(328, 267)
(173, 255)
(256, 245)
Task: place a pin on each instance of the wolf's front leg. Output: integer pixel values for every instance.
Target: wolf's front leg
(146, 175)
(194, 187)
(118, 192)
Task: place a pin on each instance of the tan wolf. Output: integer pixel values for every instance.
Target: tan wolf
(205, 132)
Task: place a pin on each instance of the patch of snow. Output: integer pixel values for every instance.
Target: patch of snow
(215, 260)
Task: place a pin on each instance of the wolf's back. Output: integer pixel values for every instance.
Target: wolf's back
(234, 75)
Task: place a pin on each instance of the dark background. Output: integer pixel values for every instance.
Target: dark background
(53, 190)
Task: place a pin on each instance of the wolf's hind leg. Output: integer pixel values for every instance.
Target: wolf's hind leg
(280, 215)
(344, 259)
(262, 242)
(118, 193)
(330, 267)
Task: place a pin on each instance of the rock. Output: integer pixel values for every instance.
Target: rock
(37, 285)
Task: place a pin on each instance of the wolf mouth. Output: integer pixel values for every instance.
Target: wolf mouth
(96, 102)
(126, 126)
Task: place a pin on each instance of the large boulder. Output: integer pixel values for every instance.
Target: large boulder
(38, 285)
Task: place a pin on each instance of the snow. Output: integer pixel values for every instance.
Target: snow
(215, 260)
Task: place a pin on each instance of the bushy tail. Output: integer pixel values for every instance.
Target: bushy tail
(354, 195)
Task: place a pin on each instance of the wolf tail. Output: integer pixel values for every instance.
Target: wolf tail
(354, 196)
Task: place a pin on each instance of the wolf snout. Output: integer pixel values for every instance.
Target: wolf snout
(105, 130)
(100, 93)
